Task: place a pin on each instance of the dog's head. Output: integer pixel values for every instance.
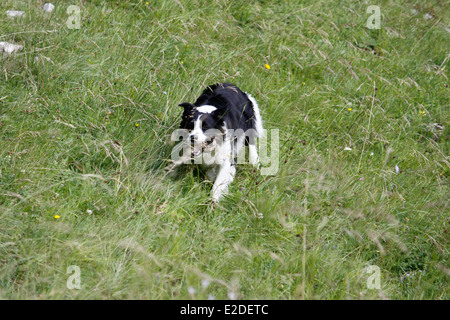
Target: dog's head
(205, 125)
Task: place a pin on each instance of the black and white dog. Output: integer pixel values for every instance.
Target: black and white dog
(216, 128)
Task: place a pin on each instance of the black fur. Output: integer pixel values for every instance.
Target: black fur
(233, 108)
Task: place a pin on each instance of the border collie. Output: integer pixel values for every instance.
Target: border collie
(215, 130)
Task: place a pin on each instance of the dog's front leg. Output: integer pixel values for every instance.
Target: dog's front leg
(224, 178)
(179, 156)
(171, 169)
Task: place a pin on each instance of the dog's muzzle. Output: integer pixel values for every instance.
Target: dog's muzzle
(197, 148)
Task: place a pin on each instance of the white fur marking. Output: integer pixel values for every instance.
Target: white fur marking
(206, 109)
(198, 132)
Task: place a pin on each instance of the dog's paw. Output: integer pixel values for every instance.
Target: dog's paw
(256, 164)
(216, 196)
(171, 170)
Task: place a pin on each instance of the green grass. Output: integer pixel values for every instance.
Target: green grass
(71, 99)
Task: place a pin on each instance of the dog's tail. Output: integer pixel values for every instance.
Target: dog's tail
(258, 120)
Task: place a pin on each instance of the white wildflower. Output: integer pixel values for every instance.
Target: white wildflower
(48, 7)
(205, 283)
(232, 295)
(191, 290)
(10, 47)
(15, 13)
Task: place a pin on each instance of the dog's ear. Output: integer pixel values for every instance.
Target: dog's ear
(219, 113)
(186, 105)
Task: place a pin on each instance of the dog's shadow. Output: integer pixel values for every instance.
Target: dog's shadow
(196, 172)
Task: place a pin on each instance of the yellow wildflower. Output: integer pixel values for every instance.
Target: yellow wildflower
(57, 217)
(267, 66)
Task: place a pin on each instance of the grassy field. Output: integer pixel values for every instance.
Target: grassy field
(363, 116)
